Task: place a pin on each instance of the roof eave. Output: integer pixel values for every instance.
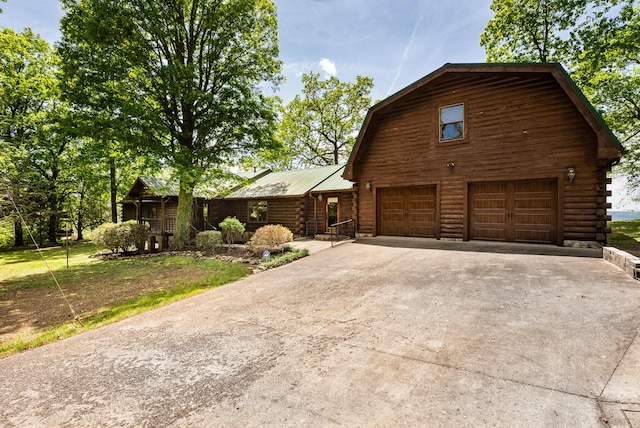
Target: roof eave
(606, 138)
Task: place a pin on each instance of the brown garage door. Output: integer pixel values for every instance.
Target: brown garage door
(519, 211)
(407, 211)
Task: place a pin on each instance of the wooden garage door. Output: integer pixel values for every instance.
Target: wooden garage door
(407, 211)
(518, 211)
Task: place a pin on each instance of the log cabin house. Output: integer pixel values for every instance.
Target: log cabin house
(154, 201)
(307, 201)
(502, 152)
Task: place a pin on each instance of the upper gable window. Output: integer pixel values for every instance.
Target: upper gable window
(452, 122)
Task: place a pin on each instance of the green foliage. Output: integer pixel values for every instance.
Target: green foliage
(320, 128)
(182, 78)
(123, 236)
(208, 240)
(270, 237)
(596, 40)
(106, 236)
(37, 159)
(607, 68)
(285, 257)
(232, 228)
(6, 232)
(531, 30)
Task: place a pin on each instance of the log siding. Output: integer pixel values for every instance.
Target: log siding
(518, 126)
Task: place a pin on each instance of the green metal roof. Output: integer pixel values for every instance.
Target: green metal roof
(291, 183)
(333, 183)
(158, 186)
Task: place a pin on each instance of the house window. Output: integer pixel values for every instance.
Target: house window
(452, 122)
(258, 211)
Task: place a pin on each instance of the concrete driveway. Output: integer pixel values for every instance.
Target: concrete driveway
(358, 335)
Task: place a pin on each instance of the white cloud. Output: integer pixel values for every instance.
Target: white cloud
(329, 67)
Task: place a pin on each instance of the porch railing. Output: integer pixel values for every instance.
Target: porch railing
(343, 230)
(155, 225)
(312, 227)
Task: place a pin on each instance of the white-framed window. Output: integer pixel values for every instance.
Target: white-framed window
(257, 212)
(452, 122)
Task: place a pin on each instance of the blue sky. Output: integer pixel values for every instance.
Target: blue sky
(396, 42)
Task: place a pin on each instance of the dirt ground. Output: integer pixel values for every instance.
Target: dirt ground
(27, 311)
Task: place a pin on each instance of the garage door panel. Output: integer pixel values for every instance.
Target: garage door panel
(542, 218)
(534, 236)
(522, 211)
(539, 203)
(407, 211)
(485, 232)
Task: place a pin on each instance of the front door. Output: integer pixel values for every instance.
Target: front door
(332, 213)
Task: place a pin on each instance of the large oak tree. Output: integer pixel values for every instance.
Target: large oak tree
(182, 79)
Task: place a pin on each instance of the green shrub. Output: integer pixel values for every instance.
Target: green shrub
(270, 237)
(231, 229)
(133, 234)
(106, 236)
(208, 240)
(123, 236)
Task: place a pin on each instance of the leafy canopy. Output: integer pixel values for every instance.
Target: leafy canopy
(596, 40)
(182, 78)
(321, 126)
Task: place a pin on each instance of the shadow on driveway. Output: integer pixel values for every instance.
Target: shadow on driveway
(481, 246)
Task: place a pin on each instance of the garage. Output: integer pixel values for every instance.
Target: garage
(407, 211)
(514, 211)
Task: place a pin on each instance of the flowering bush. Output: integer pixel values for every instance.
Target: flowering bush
(270, 237)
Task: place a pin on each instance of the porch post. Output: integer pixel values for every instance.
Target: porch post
(163, 224)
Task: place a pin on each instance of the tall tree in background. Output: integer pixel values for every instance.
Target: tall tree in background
(607, 68)
(320, 127)
(35, 151)
(596, 41)
(91, 81)
(531, 30)
(182, 78)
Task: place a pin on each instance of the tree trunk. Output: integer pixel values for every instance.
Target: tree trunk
(114, 190)
(80, 224)
(52, 228)
(182, 237)
(17, 230)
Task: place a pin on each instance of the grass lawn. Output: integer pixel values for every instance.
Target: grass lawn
(33, 311)
(625, 235)
(29, 262)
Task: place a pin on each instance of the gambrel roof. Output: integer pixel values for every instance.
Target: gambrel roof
(609, 148)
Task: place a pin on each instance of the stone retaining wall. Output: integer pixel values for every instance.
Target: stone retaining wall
(625, 261)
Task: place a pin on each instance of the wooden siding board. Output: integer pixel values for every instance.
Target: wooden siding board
(520, 128)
